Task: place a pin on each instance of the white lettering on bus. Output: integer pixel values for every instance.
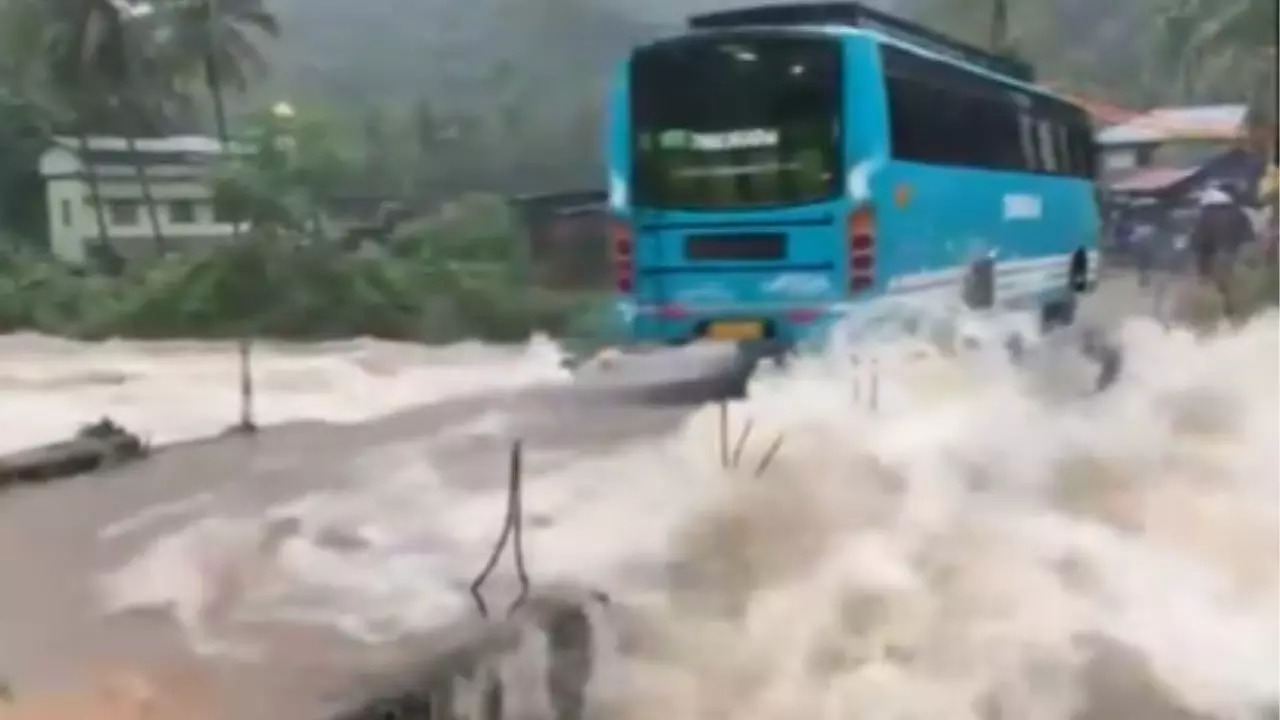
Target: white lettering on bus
(705, 293)
(1022, 207)
(734, 140)
(799, 285)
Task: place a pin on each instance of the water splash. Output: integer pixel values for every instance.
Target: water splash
(966, 554)
(976, 547)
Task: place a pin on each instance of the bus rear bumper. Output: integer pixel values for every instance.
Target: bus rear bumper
(776, 333)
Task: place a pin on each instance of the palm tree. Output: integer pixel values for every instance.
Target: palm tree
(1173, 51)
(215, 36)
(1223, 49)
(128, 43)
(69, 41)
(1232, 32)
(1236, 23)
(1241, 33)
(91, 64)
(23, 68)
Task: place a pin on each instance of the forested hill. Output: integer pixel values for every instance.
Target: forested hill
(1133, 52)
(387, 50)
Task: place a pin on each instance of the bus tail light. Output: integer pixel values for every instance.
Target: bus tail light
(622, 246)
(672, 312)
(861, 234)
(803, 316)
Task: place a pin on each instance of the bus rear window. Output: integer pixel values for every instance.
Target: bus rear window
(736, 121)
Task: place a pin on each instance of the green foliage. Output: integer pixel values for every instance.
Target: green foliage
(282, 171)
(23, 136)
(450, 278)
(1134, 53)
(451, 275)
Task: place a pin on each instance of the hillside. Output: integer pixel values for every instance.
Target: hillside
(388, 50)
(456, 52)
(524, 78)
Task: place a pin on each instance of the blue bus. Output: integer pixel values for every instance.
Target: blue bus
(773, 169)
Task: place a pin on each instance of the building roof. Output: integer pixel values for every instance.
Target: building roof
(170, 150)
(169, 143)
(1236, 166)
(1152, 179)
(1204, 122)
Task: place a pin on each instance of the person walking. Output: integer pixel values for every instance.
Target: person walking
(1143, 241)
(1222, 227)
(1269, 198)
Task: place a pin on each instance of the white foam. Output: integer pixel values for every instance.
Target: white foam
(942, 552)
(170, 391)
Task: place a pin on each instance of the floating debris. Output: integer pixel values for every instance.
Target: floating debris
(94, 446)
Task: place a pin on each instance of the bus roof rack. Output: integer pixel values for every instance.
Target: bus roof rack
(857, 15)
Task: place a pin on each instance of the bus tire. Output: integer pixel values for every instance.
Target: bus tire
(1078, 275)
(980, 285)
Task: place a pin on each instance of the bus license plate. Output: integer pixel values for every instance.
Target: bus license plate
(736, 330)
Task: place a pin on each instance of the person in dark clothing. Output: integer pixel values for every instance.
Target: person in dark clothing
(1221, 229)
(1144, 241)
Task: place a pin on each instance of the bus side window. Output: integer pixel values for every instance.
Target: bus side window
(1026, 134)
(979, 145)
(935, 125)
(1084, 149)
(1092, 154)
(908, 113)
(958, 140)
(1061, 154)
(1047, 158)
(1072, 138)
(1072, 166)
(1002, 124)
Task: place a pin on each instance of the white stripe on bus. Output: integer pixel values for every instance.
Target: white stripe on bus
(1020, 280)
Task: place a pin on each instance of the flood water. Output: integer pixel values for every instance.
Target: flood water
(957, 539)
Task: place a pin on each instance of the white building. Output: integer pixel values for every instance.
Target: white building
(180, 171)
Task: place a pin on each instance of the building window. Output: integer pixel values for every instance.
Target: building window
(66, 213)
(182, 212)
(123, 212)
(1120, 160)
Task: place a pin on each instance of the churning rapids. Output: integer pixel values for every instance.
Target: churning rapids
(981, 544)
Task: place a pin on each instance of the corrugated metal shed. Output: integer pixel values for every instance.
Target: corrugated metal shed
(1204, 122)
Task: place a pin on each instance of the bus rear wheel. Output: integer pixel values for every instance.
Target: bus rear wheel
(1062, 312)
(1078, 276)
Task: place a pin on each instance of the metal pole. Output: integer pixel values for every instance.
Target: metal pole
(244, 343)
